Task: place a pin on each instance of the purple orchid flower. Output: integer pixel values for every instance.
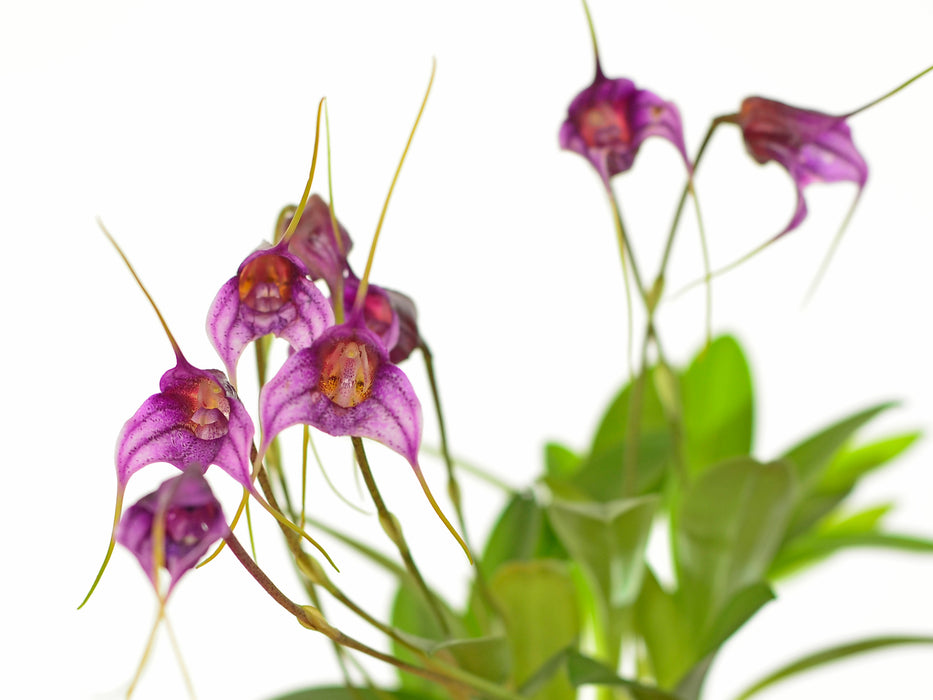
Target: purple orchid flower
(269, 294)
(315, 244)
(189, 517)
(811, 146)
(609, 120)
(196, 418)
(344, 384)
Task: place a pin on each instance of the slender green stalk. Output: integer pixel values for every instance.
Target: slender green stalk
(688, 188)
(888, 94)
(453, 487)
(307, 616)
(394, 531)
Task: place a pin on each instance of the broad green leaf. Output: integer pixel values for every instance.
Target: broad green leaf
(718, 405)
(812, 456)
(848, 466)
(608, 540)
(612, 428)
(541, 617)
(521, 532)
(601, 476)
(516, 533)
(545, 673)
(739, 610)
(559, 461)
(487, 657)
(344, 693)
(666, 631)
(583, 670)
(827, 656)
(729, 524)
(411, 615)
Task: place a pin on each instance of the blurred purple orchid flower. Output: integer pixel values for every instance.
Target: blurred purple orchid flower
(189, 517)
(609, 120)
(811, 146)
(269, 294)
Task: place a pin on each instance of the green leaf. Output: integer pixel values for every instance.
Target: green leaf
(666, 630)
(411, 615)
(487, 657)
(812, 456)
(344, 693)
(826, 656)
(867, 520)
(608, 540)
(727, 530)
(805, 549)
(583, 670)
(559, 461)
(601, 475)
(718, 405)
(611, 430)
(521, 533)
(539, 604)
(849, 466)
(739, 610)
(819, 545)
(516, 533)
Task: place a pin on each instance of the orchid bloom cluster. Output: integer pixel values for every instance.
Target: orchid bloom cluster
(341, 378)
(582, 545)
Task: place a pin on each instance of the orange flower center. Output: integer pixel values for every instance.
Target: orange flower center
(265, 283)
(347, 373)
(603, 126)
(208, 408)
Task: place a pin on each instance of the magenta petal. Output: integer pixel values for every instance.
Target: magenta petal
(409, 336)
(385, 410)
(270, 294)
(315, 244)
(378, 312)
(811, 146)
(193, 520)
(609, 120)
(196, 418)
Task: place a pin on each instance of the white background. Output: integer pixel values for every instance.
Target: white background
(186, 126)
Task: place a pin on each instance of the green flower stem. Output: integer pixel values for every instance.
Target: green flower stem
(625, 245)
(453, 487)
(273, 458)
(394, 530)
(310, 617)
(688, 189)
(313, 573)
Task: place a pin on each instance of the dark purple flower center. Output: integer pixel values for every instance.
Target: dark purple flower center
(348, 370)
(265, 283)
(186, 526)
(208, 408)
(603, 125)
